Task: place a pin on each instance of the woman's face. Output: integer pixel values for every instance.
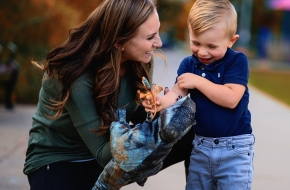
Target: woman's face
(140, 47)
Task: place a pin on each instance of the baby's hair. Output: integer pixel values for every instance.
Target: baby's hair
(205, 14)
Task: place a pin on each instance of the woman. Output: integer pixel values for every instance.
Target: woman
(98, 69)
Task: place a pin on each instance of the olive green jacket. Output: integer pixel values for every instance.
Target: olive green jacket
(68, 138)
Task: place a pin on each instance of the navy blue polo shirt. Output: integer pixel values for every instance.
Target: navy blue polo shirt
(213, 120)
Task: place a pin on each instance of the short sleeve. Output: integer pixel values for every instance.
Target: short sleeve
(185, 66)
(238, 71)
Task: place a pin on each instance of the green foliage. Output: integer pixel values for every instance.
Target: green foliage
(273, 82)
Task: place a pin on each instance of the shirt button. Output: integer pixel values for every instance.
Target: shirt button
(216, 141)
(202, 68)
(203, 74)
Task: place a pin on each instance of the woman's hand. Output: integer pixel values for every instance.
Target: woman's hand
(149, 106)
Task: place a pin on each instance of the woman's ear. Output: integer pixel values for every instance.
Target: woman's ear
(233, 40)
(118, 46)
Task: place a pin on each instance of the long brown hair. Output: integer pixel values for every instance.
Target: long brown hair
(91, 47)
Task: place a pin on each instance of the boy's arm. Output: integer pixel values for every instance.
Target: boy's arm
(171, 96)
(163, 102)
(227, 95)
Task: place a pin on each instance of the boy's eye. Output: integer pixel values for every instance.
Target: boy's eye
(195, 43)
(212, 47)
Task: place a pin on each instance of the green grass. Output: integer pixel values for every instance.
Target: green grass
(273, 82)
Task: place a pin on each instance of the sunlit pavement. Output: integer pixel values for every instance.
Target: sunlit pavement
(270, 121)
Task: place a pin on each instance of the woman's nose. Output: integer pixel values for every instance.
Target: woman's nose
(158, 42)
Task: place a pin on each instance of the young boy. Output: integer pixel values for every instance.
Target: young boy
(216, 78)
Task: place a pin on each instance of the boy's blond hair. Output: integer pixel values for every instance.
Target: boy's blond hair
(204, 14)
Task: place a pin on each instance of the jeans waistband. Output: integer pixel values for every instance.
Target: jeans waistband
(225, 141)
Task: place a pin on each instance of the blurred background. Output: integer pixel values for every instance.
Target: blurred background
(30, 28)
(35, 26)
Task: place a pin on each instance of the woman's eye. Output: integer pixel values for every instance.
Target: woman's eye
(150, 38)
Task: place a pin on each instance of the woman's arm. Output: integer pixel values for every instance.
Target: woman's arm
(82, 110)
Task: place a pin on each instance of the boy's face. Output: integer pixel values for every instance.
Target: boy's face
(211, 45)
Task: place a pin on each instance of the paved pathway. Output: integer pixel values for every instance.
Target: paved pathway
(269, 118)
(14, 127)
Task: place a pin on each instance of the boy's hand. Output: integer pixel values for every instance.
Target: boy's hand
(187, 80)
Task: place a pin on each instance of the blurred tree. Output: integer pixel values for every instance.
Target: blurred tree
(39, 23)
(183, 19)
(173, 16)
(36, 26)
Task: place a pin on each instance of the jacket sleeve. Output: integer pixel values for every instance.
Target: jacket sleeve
(82, 110)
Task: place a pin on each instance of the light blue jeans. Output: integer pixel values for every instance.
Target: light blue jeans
(221, 163)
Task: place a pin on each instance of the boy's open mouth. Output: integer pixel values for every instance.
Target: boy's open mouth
(204, 60)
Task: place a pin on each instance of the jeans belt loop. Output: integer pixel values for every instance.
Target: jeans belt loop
(229, 142)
